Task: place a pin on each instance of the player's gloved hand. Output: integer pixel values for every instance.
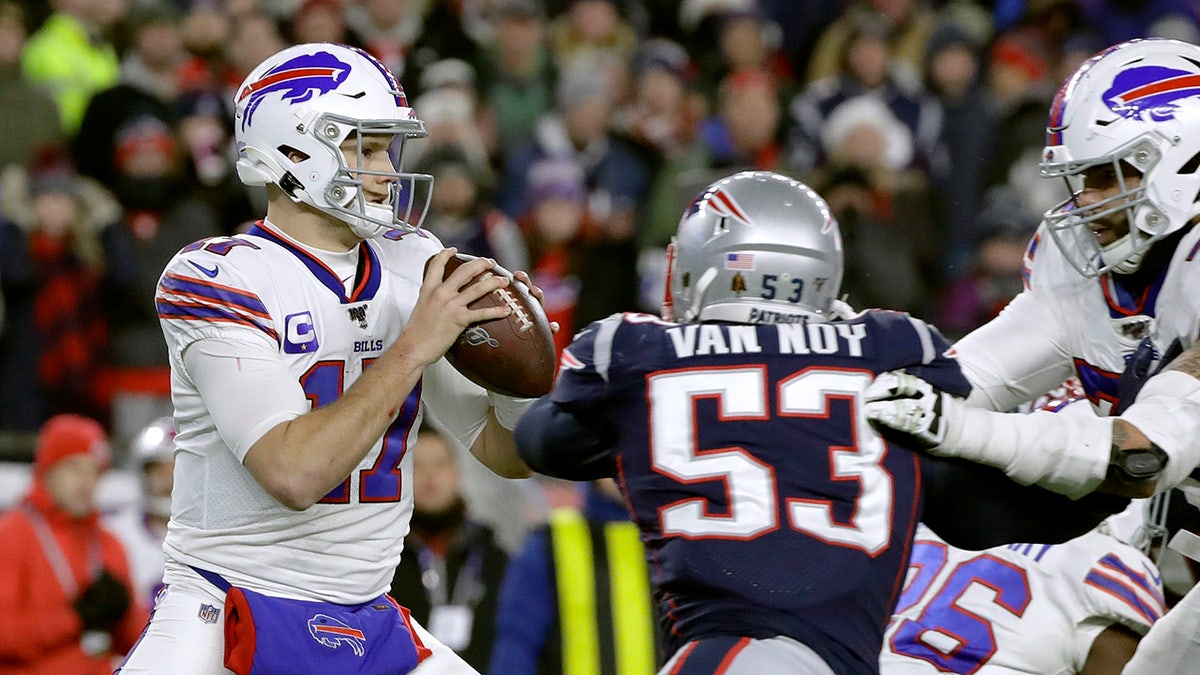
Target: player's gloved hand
(908, 404)
(101, 605)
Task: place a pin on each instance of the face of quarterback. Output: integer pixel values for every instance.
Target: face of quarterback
(376, 156)
(1101, 183)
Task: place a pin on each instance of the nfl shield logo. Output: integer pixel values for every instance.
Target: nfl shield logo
(209, 613)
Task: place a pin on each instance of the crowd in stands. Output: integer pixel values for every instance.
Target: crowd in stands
(565, 137)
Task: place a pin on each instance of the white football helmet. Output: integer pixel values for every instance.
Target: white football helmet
(154, 443)
(1136, 104)
(754, 247)
(310, 98)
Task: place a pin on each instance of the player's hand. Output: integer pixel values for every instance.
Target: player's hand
(442, 311)
(536, 292)
(908, 404)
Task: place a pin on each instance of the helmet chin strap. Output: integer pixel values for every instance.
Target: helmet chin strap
(1122, 249)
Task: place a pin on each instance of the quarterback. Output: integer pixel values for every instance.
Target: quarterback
(304, 355)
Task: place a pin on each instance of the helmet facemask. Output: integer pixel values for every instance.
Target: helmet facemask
(344, 197)
(1071, 223)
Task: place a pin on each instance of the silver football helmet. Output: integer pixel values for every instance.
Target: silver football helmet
(153, 444)
(308, 99)
(754, 247)
(1136, 104)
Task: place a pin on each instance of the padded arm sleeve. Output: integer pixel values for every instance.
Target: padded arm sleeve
(559, 443)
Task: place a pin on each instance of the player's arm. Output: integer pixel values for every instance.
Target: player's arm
(1110, 651)
(1072, 454)
(557, 442)
(300, 460)
(1016, 357)
(496, 449)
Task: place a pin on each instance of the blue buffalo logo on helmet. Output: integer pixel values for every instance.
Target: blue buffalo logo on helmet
(1151, 90)
(298, 80)
(333, 633)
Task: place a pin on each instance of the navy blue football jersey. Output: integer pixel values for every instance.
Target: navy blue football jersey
(767, 503)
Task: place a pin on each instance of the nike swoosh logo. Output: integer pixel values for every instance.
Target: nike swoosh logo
(210, 273)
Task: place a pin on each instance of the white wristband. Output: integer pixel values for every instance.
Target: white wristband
(1067, 454)
(509, 409)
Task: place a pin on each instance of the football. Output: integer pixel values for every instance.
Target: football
(513, 356)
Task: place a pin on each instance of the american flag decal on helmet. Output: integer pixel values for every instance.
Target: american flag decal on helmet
(298, 80)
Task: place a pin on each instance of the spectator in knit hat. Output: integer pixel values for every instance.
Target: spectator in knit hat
(56, 267)
(65, 593)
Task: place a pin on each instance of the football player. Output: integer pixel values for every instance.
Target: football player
(1111, 277)
(777, 522)
(1077, 607)
(304, 355)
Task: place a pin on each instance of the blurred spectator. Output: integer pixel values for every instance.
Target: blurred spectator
(746, 40)
(589, 30)
(163, 213)
(205, 132)
(55, 272)
(742, 133)
(461, 215)
(882, 266)
(145, 94)
(252, 38)
(1019, 87)
(861, 135)
(445, 36)
(65, 592)
(321, 21)
(27, 113)
(553, 226)
(867, 66)
(151, 458)
(994, 276)
(453, 558)
(206, 29)
(615, 177)
(388, 28)
(71, 55)
(954, 74)
(572, 578)
(661, 117)
(449, 107)
(906, 25)
(517, 75)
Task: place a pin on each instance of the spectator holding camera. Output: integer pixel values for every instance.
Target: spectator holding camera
(65, 595)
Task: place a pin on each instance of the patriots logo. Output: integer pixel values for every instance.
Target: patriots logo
(1153, 91)
(298, 80)
(333, 633)
(721, 203)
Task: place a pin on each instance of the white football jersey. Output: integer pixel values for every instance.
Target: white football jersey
(1065, 324)
(263, 291)
(1021, 608)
